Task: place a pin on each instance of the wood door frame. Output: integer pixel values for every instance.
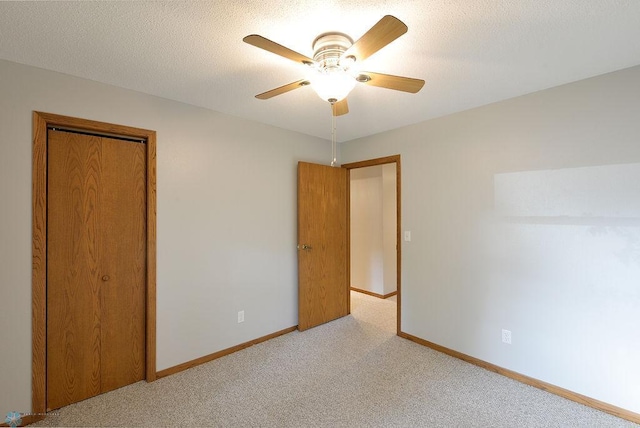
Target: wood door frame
(374, 162)
(42, 121)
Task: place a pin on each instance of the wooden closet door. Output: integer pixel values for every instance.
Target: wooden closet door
(96, 265)
(123, 253)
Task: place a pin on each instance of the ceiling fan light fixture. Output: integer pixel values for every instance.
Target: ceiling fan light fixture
(332, 84)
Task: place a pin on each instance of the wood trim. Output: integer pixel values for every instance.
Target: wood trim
(94, 126)
(198, 361)
(371, 293)
(150, 353)
(39, 267)
(373, 162)
(39, 243)
(553, 389)
(399, 240)
(348, 215)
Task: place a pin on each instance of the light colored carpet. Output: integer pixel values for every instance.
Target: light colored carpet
(352, 372)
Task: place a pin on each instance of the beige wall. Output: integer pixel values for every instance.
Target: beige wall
(525, 215)
(221, 180)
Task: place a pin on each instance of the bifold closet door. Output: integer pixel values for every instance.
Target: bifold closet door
(96, 264)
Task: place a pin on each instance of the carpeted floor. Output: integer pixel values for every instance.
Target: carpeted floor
(352, 372)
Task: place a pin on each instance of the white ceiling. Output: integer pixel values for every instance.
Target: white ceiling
(469, 52)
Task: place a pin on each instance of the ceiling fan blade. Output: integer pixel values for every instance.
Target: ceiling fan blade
(282, 89)
(380, 35)
(398, 83)
(273, 47)
(340, 108)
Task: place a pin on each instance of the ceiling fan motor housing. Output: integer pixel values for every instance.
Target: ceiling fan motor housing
(328, 49)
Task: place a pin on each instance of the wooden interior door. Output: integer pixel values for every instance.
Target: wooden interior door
(96, 269)
(323, 293)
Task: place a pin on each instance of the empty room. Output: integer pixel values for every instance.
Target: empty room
(320, 213)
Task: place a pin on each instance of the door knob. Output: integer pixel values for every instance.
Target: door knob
(304, 247)
(106, 278)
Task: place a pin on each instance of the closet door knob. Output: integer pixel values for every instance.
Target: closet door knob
(106, 278)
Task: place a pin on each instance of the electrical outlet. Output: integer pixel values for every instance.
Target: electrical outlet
(506, 336)
(240, 316)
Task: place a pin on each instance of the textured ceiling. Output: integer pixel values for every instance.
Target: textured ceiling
(469, 52)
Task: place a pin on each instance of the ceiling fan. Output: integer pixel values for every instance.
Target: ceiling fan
(335, 66)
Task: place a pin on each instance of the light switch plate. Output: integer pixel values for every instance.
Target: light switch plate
(407, 235)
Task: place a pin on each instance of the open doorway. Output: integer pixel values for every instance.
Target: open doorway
(374, 229)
